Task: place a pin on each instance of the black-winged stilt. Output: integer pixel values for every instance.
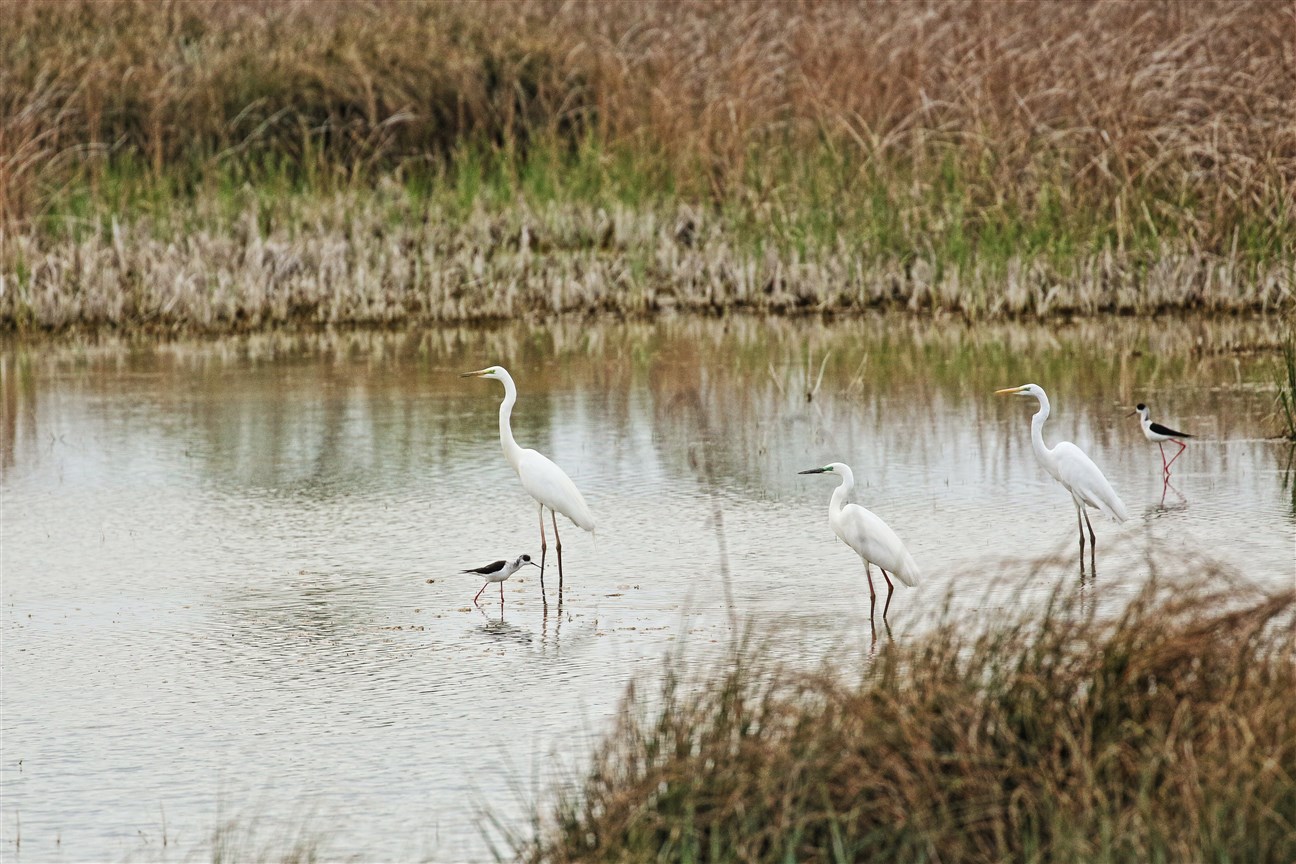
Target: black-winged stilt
(500, 571)
(1159, 434)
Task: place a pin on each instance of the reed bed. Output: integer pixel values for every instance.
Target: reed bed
(990, 158)
(368, 259)
(1161, 734)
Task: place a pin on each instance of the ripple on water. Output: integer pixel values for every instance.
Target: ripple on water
(232, 585)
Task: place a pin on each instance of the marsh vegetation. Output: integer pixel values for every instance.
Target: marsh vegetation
(217, 166)
(1162, 733)
(273, 169)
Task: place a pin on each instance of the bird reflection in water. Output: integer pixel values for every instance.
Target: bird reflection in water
(500, 630)
(1177, 502)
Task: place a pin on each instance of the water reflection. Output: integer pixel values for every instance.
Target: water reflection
(499, 630)
(1289, 475)
(1177, 499)
(235, 564)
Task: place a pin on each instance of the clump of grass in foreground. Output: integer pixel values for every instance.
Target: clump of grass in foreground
(235, 842)
(1164, 734)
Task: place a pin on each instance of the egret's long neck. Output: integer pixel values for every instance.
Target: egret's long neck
(512, 452)
(1043, 452)
(842, 493)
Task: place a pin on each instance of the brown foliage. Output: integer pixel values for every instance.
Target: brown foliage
(1193, 100)
(1164, 734)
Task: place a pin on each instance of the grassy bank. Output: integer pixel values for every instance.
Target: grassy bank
(1162, 735)
(227, 165)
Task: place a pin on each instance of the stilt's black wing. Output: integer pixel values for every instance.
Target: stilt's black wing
(493, 567)
(1165, 430)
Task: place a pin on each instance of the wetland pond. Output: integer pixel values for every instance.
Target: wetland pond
(231, 587)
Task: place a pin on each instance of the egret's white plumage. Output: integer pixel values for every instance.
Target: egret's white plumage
(542, 479)
(1070, 466)
(866, 533)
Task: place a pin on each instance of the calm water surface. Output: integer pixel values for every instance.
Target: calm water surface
(230, 569)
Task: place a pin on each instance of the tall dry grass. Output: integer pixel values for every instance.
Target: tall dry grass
(1192, 101)
(879, 133)
(1164, 734)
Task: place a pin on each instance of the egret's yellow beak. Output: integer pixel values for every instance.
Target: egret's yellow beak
(1008, 391)
(477, 374)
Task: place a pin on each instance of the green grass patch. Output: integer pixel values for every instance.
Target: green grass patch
(820, 203)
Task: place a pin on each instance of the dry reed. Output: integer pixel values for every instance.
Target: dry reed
(841, 151)
(1164, 734)
(357, 265)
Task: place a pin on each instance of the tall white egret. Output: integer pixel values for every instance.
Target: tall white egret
(1159, 434)
(500, 571)
(544, 481)
(1067, 464)
(870, 537)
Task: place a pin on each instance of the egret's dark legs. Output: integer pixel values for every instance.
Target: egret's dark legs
(1080, 523)
(1093, 546)
(890, 591)
(558, 546)
(872, 594)
(1182, 447)
(543, 549)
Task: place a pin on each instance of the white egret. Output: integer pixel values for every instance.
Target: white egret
(870, 537)
(1068, 465)
(500, 571)
(544, 481)
(1159, 434)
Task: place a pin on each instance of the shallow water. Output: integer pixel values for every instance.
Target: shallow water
(230, 569)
